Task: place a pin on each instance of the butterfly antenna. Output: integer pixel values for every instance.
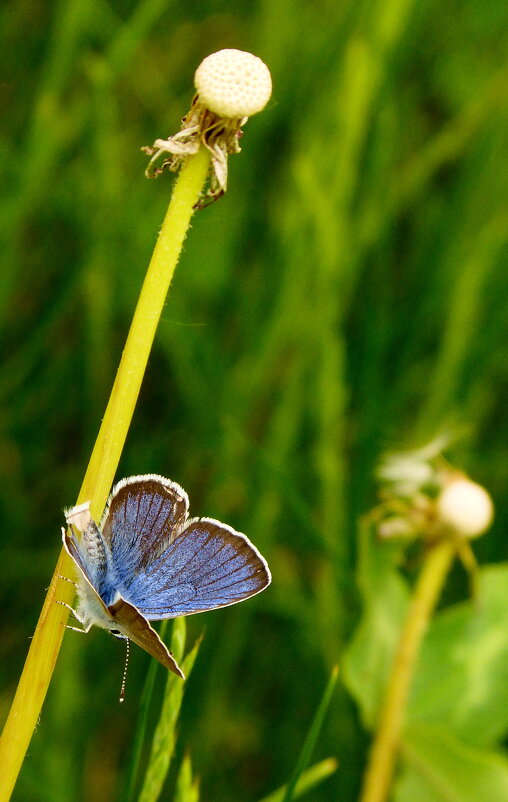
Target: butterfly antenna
(124, 676)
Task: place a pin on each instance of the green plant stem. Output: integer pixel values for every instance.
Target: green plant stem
(101, 469)
(383, 754)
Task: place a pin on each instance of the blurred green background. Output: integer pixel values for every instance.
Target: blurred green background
(347, 295)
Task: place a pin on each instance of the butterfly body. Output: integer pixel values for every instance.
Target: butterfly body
(148, 561)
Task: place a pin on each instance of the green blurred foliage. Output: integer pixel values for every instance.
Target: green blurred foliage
(457, 707)
(348, 294)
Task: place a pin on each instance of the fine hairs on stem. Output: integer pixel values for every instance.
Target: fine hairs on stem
(206, 145)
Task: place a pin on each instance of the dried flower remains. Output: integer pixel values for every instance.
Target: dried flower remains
(231, 85)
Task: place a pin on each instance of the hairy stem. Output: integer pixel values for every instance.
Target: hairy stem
(101, 469)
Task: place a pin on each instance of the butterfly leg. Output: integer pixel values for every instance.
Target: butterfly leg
(76, 629)
(74, 613)
(66, 579)
(71, 609)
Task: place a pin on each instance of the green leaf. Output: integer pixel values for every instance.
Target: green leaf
(462, 676)
(441, 768)
(462, 672)
(368, 659)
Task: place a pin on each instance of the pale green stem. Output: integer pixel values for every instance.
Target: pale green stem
(102, 467)
(380, 768)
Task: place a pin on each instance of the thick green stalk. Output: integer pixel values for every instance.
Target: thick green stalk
(101, 469)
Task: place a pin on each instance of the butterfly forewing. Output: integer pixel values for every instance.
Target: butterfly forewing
(143, 515)
(207, 565)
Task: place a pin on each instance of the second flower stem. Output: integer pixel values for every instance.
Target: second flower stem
(383, 755)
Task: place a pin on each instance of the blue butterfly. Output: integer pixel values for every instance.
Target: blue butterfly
(148, 561)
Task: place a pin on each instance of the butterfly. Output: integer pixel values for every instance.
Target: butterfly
(147, 561)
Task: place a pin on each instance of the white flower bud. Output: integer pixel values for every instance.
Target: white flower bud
(233, 83)
(466, 507)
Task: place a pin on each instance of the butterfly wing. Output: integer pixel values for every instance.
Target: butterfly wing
(141, 518)
(206, 565)
(120, 615)
(88, 552)
(135, 627)
(156, 564)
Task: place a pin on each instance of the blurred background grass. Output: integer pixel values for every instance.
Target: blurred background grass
(347, 295)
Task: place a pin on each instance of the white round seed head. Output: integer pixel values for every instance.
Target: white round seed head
(466, 507)
(233, 83)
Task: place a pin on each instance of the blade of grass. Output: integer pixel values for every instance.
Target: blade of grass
(164, 738)
(187, 787)
(142, 725)
(308, 780)
(311, 737)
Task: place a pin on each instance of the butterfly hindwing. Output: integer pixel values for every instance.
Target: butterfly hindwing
(207, 565)
(135, 627)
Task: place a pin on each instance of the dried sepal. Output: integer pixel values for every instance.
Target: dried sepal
(228, 83)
